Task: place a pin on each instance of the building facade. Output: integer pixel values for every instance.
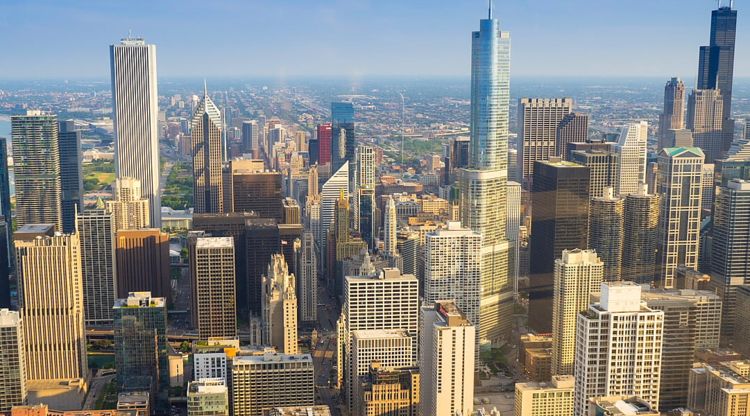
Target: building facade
(212, 272)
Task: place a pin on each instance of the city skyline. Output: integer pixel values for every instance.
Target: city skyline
(369, 33)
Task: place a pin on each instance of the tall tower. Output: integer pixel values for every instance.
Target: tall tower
(606, 232)
(206, 130)
(130, 209)
(389, 226)
(673, 115)
(13, 364)
(279, 313)
(4, 181)
(631, 158)
(343, 143)
(573, 128)
(538, 123)
(307, 274)
(704, 119)
(135, 110)
(641, 212)
(483, 182)
(212, 275)
(71, 179)
(36, 160)
(95, 228)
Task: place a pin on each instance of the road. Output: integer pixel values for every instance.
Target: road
(324, 354)
(95, 388)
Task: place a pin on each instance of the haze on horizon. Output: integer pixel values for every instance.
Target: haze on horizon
(46, 39)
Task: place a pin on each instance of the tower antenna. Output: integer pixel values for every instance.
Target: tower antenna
(205, 88)
(490, 9)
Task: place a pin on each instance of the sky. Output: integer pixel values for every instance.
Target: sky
(68, 39)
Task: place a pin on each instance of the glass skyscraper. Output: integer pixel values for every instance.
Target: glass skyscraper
(344, 143)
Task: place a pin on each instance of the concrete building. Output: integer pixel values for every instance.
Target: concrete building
(705, 114)
(641, 212)
(130, 209)
(538, 123)
(573, 128)
(602, 166)
(71, 176)
(578, 274)
(263, 382)
(389, 226)
(620, 406)
(212, 272)
(388, 391)
(96, 231)
(553, 398)
(135, 110)
(143, 262)
(307, 279)
(207, 397)
(673, 114)
(720, 389)
(13, 363)
(631, 158)
(279, 313)
(742, 320)
(628, 336)
(206, 131)
(606, 232)
(211, 358)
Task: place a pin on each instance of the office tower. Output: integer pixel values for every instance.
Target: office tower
(206, 131)
(673, 115)
(560, 222)
(131, 210)
(324, 144)
(250, 137)
(392, 348)
(142, 262)
(573, 128)
(13, 362)
(367, 220)
(641, 212)
(389, 391)
(260, 383)
(364, 180)
(212, 273)
(483, 181)
(716, 63)
(742, 320)
(256, 191)
(71, 177)
(447, 360)
(48, 267)
(538, 123)
(329, 194)
(307, 276)
(389, 226)
(545, 399)
(692, 322)
(678, 233)
(602, 166)
(628, 337)
(96, 232)
(5, 263)
(704, 119)
(578, 274)
(707, 179)
(36, 165)
(140, 327)
(452, 269)
(5, 208)
(676, 138)
(279, 313)
(409, 248)
(730, 255)
(312, 182)
(207, 397)
(387, 300)
(343, 143)
(606, 232)
(135, 114)
(721, 389)
(512, 231)
(631, 158)
(262, 241)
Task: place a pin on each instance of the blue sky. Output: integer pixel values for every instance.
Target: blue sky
(359, 38)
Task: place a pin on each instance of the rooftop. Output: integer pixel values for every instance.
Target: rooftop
(623, 406)
(9, 318)
(451, 314)
(380, 333)
(140, 300)
(214, 242)
(272, 358)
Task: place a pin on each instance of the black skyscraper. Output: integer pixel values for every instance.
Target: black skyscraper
(71, 181)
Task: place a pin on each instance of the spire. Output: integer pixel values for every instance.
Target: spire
(490, 10)
(205, 88)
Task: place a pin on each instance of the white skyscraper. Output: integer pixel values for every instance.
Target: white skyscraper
(627, 337)
(389, 226)
(135, 111)
(130, 209)
(331, 191)
(279, 313)
(631, 158)
(577, 274)
(447, 361)
(512, 230)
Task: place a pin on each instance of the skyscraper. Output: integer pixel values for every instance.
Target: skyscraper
(560, 222)
(250, 137)
(324, 144)
(212, 275)
(673, 115)
(704, 119)
(279, 312)
(678, 234)
(364, 181)
(5, 208)
(130, 209)
(602, 166)
(329, 194)
(578, 274)
(387, 390)
(389, 226)
(641, 212)
(307, 277)
(36, 164)
(343, 143)
(606, 232)
(71, 177)
(5, 263)
(483, 182)
(206, 130)
(96, 231)
(512, 232)
(720, 389)
(13, 362)
(631, 158)
(628, 337)
(142, 262)
(135, 111)
(253, 190)
(573, 128)
(538, 122)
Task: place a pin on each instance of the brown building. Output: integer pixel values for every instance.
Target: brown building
(262, 240)
(392, 392)
(43, 410)
(255, 191)
(143, 262)
(538, 364)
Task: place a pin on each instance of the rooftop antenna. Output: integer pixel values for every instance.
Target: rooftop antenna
(205, 88)
(490, 9)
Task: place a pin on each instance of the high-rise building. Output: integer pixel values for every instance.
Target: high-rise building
(260, 383)
(96, 231)
(704, 119)
(389, 391)
(447, 345)
(641, 212)
(721, 389)
(324, 144)
(545, 399)
(130, 209)
(5, 263)
(538, 123)
(279, 312)
(261, 241)
(250, 137)
(36, 165)
(142, 262)
(364, 180)
(135, 114)
(329, 194)
(71, 177)
(5, 208)
(678, 233)
(13, 362)
(207, 397)
(512, 232)
(48, 267)
(251, 189)
(716, 63)
(730, 249)
(742, 320)
(212, 272)
(307, 279)
(673, 115)
(573, 128)
(206, 130)
(578, 274)
(367, 213)
(560, 222)
(343, 143)
(390, 226)
(692, 322)
(631, 158)
(606, 232)
(140, 338)
(602, 166)
(210, 358)
(483, 182)
(628, 336)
